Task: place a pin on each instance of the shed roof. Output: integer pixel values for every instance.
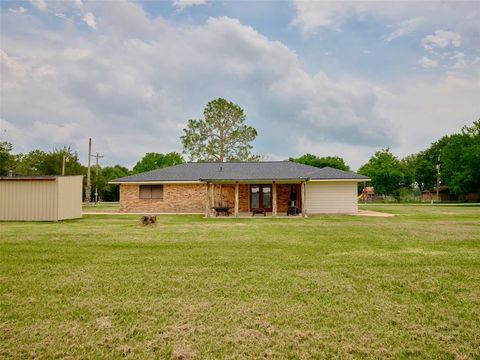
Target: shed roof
(34, 177)
(241, 171)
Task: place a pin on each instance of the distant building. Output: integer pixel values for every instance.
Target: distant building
(443, 195)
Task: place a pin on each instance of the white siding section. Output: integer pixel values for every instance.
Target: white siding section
(331, 197)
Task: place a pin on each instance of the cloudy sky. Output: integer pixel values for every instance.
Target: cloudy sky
(329, 78)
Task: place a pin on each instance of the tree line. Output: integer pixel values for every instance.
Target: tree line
(39, 162)
(454, 160)
(222, 135)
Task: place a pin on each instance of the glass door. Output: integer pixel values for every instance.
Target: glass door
(261, 197)
(255, 196)
(267, 197)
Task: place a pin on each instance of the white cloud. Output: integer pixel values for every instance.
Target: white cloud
(134, 83)
(127, 19)
(427, 62)
(404, 17)
(39, 4)
(366, 52)
(426, 109)
(78, 4)
(442, 39)
(10, 66)
(20, 10)
(118, 84)
(403, 28)
(89, 19)
(182, 4)
(312, 15)
(39, 132)
(459, 59)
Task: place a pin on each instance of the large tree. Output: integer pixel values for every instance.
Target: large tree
(152, 161)
(38, 162)
(110, 192)
(385, 171)
(330, 161)
(460, 160)
(221, 135)
(458, 156)
(6, 158)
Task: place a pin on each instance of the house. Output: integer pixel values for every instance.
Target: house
(40, 198)
(443, 194)
(273, 186)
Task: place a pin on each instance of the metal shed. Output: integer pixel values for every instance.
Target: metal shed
(40, 198)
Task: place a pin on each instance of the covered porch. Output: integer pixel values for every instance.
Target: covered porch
(255, 198)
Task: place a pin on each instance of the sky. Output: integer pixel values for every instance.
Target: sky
(340, 78)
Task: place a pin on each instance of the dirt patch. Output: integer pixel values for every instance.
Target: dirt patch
(183, 352)
(103, 323)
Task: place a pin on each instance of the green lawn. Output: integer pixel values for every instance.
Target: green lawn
(102, 207)
(322, 287)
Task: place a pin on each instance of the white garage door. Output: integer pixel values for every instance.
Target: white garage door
(330, 197)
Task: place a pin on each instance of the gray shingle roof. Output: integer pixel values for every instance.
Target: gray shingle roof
(238, 171)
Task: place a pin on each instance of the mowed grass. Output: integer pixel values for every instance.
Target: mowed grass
(101, 207)
(322, 287)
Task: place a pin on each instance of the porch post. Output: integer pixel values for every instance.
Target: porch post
(212, 197)
(274, 199)
(236, 199)
(207, 200)
(304, 200)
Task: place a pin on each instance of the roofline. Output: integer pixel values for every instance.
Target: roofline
(148, 182)
(203, 181)
(35, 178)
(239, 162)
(256, 179)
(350, 179)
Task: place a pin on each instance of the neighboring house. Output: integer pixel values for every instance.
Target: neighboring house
(40, 198)
(241, 186)
(443, 194)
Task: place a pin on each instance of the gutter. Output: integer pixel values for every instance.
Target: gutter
(326, 180)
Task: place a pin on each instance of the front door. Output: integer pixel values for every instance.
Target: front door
(261, 197)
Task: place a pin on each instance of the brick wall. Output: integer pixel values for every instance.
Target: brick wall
(283, 198)
(190, 198)
(177, 198)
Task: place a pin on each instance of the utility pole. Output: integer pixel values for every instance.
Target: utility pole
(65, 159)
(96, 175)
(88, 188)
(438, 178)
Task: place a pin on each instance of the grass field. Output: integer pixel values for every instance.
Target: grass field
(322, 287)
(102, 207)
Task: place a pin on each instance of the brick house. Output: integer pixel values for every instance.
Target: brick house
(242, 187)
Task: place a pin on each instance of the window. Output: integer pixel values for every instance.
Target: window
(151, 192)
